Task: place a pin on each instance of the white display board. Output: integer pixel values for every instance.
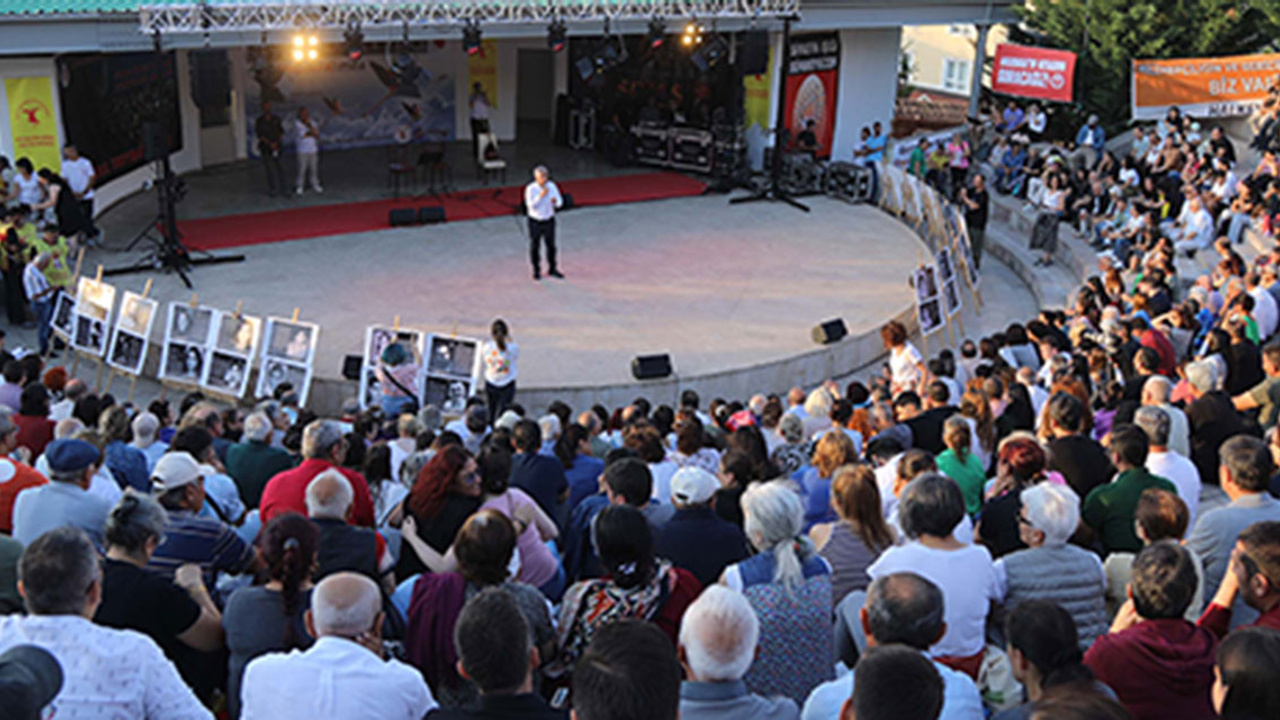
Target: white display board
(376, 339)
(288, 356)
(92, 316)
(132, 333)
(452, 372)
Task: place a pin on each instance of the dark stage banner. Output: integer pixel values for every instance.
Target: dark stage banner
(812, 77)
(106, 99)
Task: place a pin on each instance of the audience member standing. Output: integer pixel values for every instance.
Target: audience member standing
(270, 132)
(40, 294)
(501, 356)
(308, 149)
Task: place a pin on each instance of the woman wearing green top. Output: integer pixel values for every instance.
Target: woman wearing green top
(960, 464)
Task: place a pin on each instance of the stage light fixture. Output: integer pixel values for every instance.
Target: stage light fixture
(471, 38)
(557, 35)
(312, 54)
(299, 55)
(657, 32)
(299, 41)
(355, 41)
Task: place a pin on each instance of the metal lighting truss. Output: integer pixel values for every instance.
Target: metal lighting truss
(228, 16)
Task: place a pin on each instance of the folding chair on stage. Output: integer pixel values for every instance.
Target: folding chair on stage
(488, 161)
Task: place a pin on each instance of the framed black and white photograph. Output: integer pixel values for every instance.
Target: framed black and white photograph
(236, 334)
(454, 357)
(189, 324)
(292, 341)
(926, 282)
(64, 314)
(228, 373)
(95, 299)
(276, 372)
(930, 315)
(946, 271)
(136, 314)
(128, 352)
(90, 335)
(377, 339)
(448, 394)
(951, 297)
(183, 362)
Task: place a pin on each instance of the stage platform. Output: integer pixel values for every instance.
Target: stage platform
(730, 292)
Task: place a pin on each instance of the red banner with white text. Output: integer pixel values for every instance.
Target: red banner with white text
(1033, 72)
(812, 76)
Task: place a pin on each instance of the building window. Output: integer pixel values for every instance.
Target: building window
(955, 75)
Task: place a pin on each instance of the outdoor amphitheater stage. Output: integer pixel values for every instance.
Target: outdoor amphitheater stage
(730, 292)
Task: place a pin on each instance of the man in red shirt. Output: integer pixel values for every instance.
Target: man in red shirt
(1148, 336)
(14, 476)
(1254, 572)
(323, 447)
(1159, 665)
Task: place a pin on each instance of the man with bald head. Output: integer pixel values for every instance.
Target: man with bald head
(343, 547)
(1155, 393)
(346, 673)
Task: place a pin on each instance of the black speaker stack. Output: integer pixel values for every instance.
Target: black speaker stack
(425, 215)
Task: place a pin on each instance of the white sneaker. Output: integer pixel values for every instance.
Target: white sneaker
(318, 189)
(298, 191)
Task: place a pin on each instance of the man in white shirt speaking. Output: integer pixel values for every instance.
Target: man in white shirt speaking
(541, 199)
(345, 673)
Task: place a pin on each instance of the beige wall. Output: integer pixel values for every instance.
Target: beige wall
(942, 55)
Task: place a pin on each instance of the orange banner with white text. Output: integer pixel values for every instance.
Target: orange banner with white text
(1202, 87)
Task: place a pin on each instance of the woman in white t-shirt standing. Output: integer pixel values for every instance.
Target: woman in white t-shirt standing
(906, 365)
(26, 186)
(501, 355)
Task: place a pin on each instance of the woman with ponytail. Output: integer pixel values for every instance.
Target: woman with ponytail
(789, 586)
(1044, 653)
(267, 617)
(501, 357)
(180, 615)
(636, 585)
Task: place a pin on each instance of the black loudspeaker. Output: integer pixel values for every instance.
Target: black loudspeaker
(210, 78)
(754, 57)
(650, 367)
(351, 367)
(153, 141)
(402, 216)
(830, 331)
(431, 214)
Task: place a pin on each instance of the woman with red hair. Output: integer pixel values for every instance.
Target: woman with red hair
(1020, 463)
(446, 493)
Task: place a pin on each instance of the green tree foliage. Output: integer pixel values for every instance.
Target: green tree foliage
(1108, 34)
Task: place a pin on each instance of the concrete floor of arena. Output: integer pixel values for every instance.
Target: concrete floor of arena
(719, 287)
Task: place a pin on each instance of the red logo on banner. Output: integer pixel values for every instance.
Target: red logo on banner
(1034, 72)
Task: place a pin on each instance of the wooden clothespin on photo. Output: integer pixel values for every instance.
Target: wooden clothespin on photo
(296, 313)
(195, 300)
(395, 324)
(146, 289)
(239, 308)
(97, 278)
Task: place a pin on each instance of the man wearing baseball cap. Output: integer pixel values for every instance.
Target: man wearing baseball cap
(695, 538)
(178, 483)
(30, 678)
(66, 500)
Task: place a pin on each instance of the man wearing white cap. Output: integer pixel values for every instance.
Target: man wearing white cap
(178, 483)
(696, 538)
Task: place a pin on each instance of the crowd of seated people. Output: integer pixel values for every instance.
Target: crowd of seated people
(1074, 517)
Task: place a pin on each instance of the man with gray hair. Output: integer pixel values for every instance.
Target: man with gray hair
(541, 200)
(145, 426)
(71, 393)
(343, 547)
(323, 447)
(718, 639)
(1171, 466)
(1155, 393)
(1211, 418)
(346, 673)
(904, 608)
(253, 461)
(108, 673)
(40, 295)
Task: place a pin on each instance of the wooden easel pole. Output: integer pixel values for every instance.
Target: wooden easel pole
(133, 385)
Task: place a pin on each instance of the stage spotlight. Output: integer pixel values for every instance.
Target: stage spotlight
(312, 54)
(557, 35)
(692, 35)
(657, 32)
(471, 38)
(355, 41)
(299, 55)
(299, 41)
(313, 41)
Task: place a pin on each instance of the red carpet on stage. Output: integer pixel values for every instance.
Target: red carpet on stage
(305, 222)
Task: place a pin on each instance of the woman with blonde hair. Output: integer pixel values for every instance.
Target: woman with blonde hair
(854, 541)
(834, 449)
